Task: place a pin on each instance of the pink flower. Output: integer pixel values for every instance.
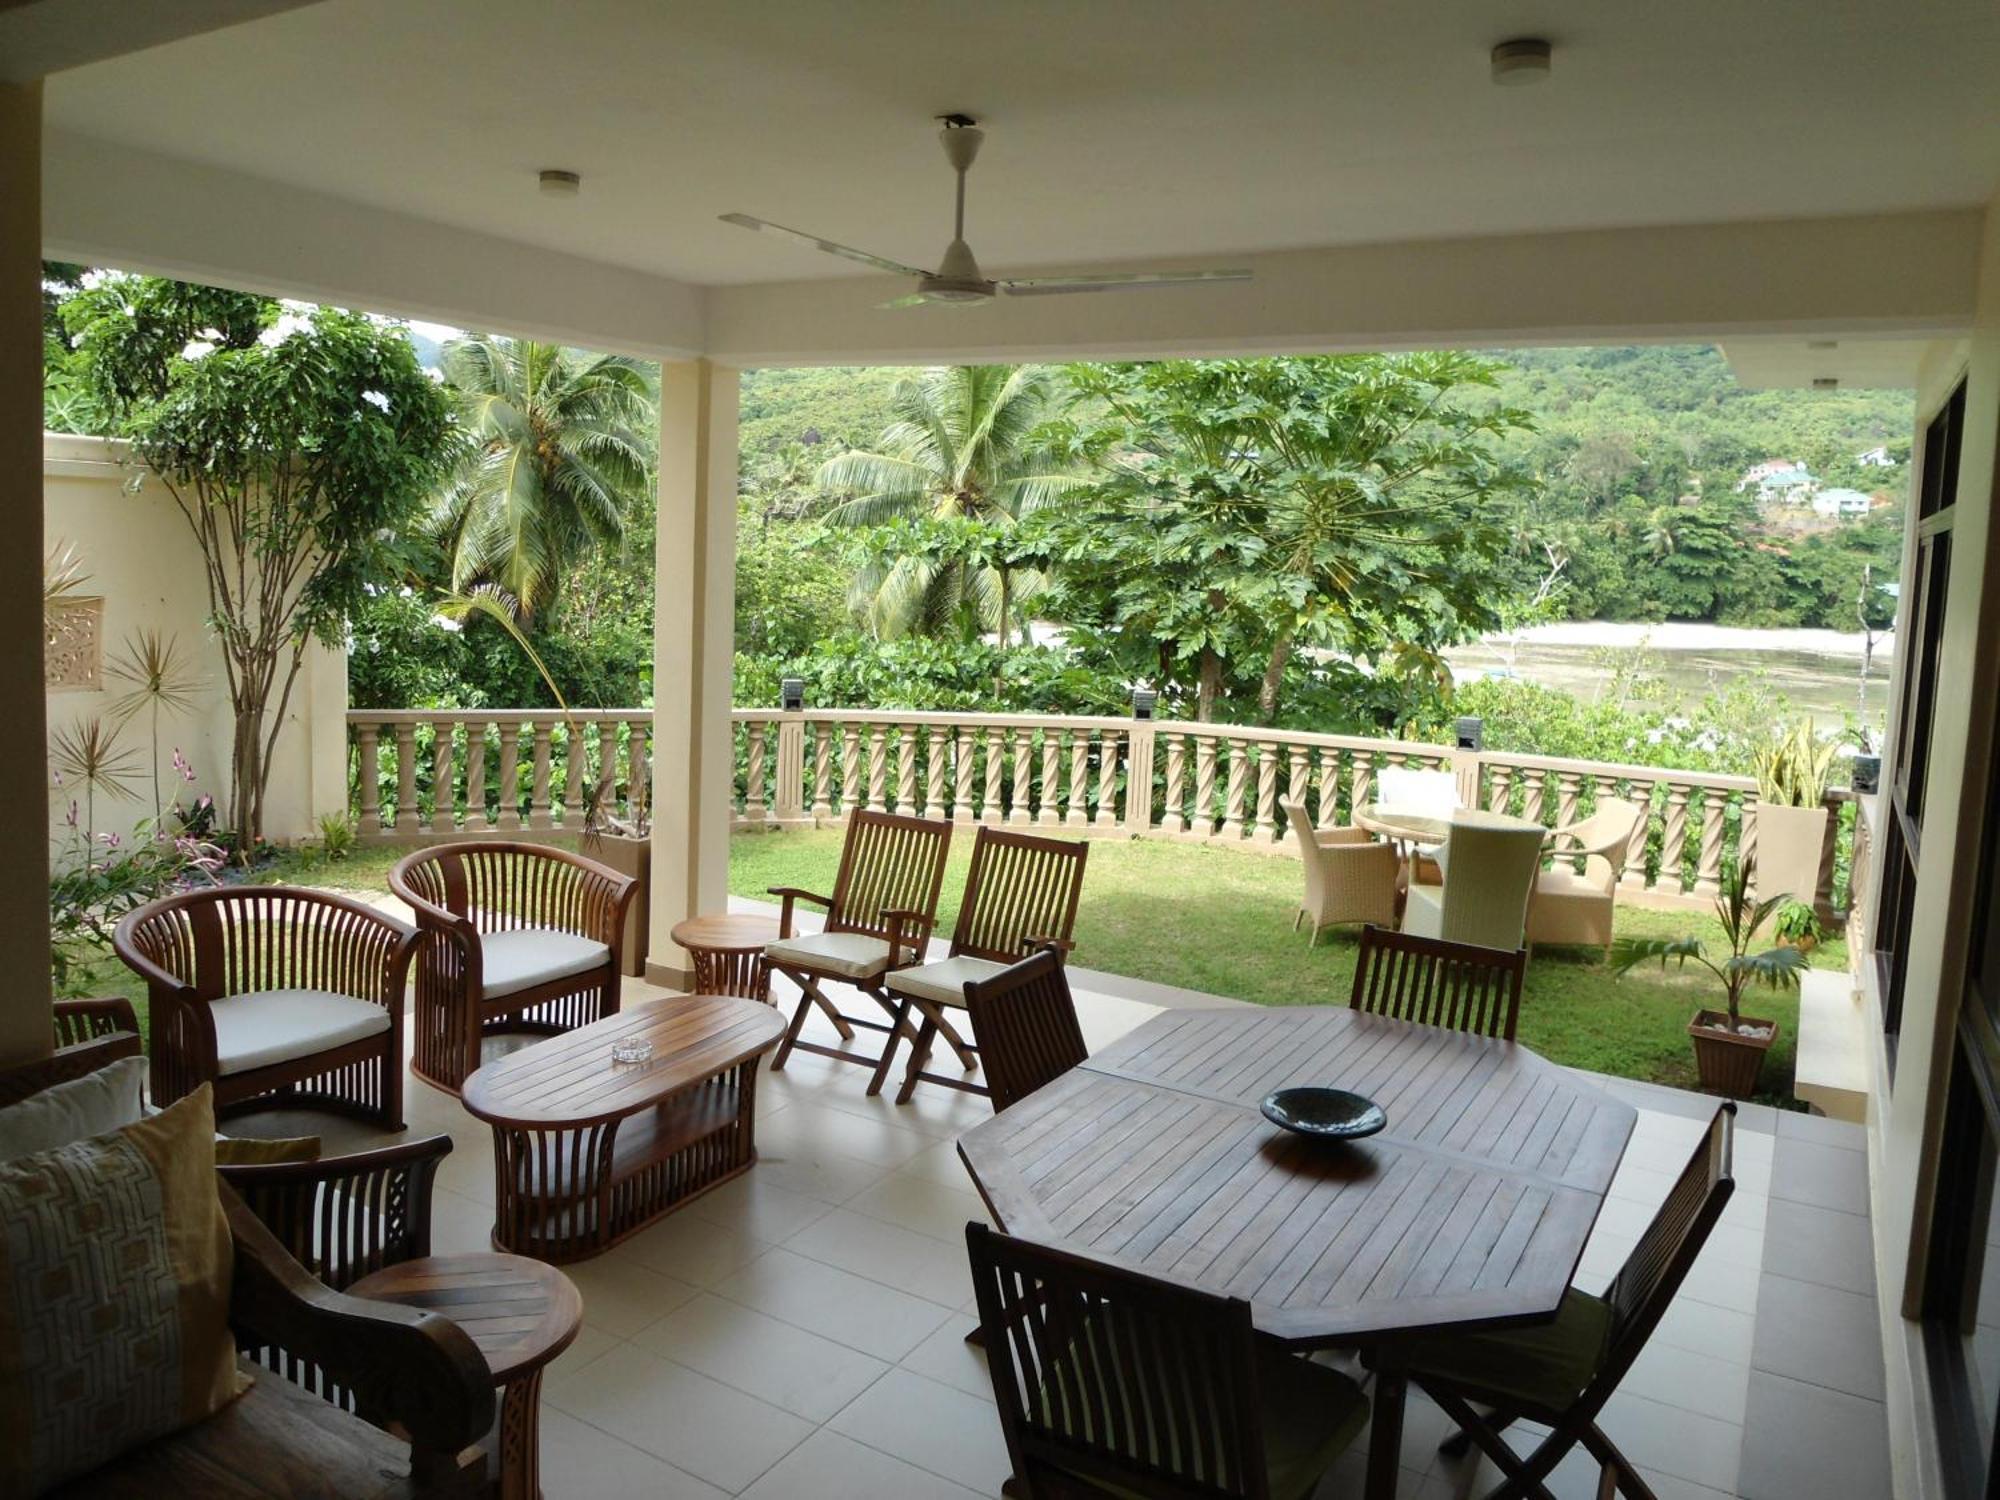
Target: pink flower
(72, 818)
(109, 840)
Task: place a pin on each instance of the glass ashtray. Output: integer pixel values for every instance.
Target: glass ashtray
(631, 1050)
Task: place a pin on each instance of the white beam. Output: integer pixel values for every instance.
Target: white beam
(1906, 274)
(694, 632)
(39, 37)
(109, 205)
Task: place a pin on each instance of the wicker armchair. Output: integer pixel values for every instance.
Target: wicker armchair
(277, 996)
(517, 937)
(1576, 906)
(1488, 875)
(1350, 877)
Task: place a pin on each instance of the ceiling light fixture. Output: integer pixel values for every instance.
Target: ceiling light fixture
(1523, 60)
(557, 183)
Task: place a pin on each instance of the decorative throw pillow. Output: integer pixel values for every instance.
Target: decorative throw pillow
(115, 1264)
(94, 1104)
(255, 1151)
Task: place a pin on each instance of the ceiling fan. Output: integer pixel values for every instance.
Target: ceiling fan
(958, 277)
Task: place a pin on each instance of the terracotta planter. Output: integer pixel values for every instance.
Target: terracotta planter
(634, 857)
(1790, 842)
(1729, 1064)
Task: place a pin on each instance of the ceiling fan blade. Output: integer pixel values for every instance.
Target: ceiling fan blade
(845, 252)
(1114, 281)
(915, 299)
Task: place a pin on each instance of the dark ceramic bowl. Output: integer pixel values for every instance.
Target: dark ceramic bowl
(1327, 1114)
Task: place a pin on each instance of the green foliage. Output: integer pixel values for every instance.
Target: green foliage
(1718, 732)
(298, 458)
(561, 452)
(935, 672)
(1797, 923)
(790, 592)
(1741, 917)
(1792, 769)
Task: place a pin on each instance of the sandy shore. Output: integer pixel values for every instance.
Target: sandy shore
(1675, 636)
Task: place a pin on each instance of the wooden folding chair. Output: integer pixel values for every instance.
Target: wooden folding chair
(879, 917)
(1561, 1373)
(1110, 1382)
(1024, 1022)
(1435, 983)
(1020, 894)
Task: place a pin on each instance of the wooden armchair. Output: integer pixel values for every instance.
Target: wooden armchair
(517, 937)
(1573, 905)
(1453, 985)
(879, 917)
(278, 1441)
(1350, 876)
(1020, 895)
(277, 996)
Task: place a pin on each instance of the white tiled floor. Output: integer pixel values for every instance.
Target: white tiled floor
(799, 1331)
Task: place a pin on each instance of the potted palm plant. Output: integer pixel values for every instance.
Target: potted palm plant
(1791, 812)
(1729, 1046)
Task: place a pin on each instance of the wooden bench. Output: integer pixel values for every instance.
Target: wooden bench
(415, 1370)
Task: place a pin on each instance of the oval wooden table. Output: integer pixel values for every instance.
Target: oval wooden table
(728, 953)
(1470, 1210)
(520, 1314)
(587, 1150)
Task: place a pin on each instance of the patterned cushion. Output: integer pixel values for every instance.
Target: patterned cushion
(94, 1104)
(115, 1265)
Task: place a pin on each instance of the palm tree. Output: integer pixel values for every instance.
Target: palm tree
(560, 453)
(965, 443)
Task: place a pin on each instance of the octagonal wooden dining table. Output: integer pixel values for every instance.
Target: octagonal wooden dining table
(1469, 1211)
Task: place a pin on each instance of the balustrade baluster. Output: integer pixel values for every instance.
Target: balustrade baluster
(507, 815)
(1500, 788)
(935, 771)
(476, 819)
(406, 777)
(1673, 840)
(990, 812)
(1266, 829)
(906, 770)
(754, 810)
(368, 771)
(576, 770)
(878, 767)
(1534, 783)
(1364, 779)
(541, 797)
(851, 787)
(607, 769)
(441, 819)
(1746, 836)
(1203, 824)
(1020, 811)
(1171, 820)
(1708, 873)
(1329, 787)
(1107, 778)
(1049, 812)
(963, 807)
(639, 771)
(1567, 783)
(1634, 876)
(1079, 779)
(1298, 787)
(822, 803)
(1239, 775)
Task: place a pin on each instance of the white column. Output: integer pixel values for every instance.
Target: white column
(25, 1024)
(693, 649)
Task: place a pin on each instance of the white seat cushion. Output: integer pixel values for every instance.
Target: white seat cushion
(852, 955)
(272, 1026)
(943, 981)
(528, 956)
(1564, 883)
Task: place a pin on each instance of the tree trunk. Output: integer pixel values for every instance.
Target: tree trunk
(1208, 688)
(246, 778)
(1274, 678)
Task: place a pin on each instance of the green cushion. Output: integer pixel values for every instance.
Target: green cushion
(1544, 1364)
(1310, 1415)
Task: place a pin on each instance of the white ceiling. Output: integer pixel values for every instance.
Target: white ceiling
(1119, 129)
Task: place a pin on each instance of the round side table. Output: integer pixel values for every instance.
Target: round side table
(728, 953)
(520, 1313)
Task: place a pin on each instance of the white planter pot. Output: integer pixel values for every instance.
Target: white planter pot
(1790, 843)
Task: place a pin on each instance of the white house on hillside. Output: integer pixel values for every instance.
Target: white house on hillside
(1875, 458)
(1842, 502)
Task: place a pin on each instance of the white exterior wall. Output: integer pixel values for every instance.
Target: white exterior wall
(140, 558)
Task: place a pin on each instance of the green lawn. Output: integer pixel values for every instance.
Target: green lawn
(1220, 921)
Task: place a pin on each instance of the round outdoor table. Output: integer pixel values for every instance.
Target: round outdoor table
(520, 1314)
(1406, 827)
(728, 954)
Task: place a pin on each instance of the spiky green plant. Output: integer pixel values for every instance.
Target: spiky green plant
(160, 678)
(1792, 770)
(63, 577)
(1742, 918)
(87, 754)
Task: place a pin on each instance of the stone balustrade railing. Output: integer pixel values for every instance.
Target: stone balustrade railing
(417, 778)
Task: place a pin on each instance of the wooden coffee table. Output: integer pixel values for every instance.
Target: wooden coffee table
(728, 953)
(587, 1150)
(521, 1315)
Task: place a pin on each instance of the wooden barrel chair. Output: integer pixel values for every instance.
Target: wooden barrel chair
(517, 937)
(879, 917)
(279, 997)
(1021, 895)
